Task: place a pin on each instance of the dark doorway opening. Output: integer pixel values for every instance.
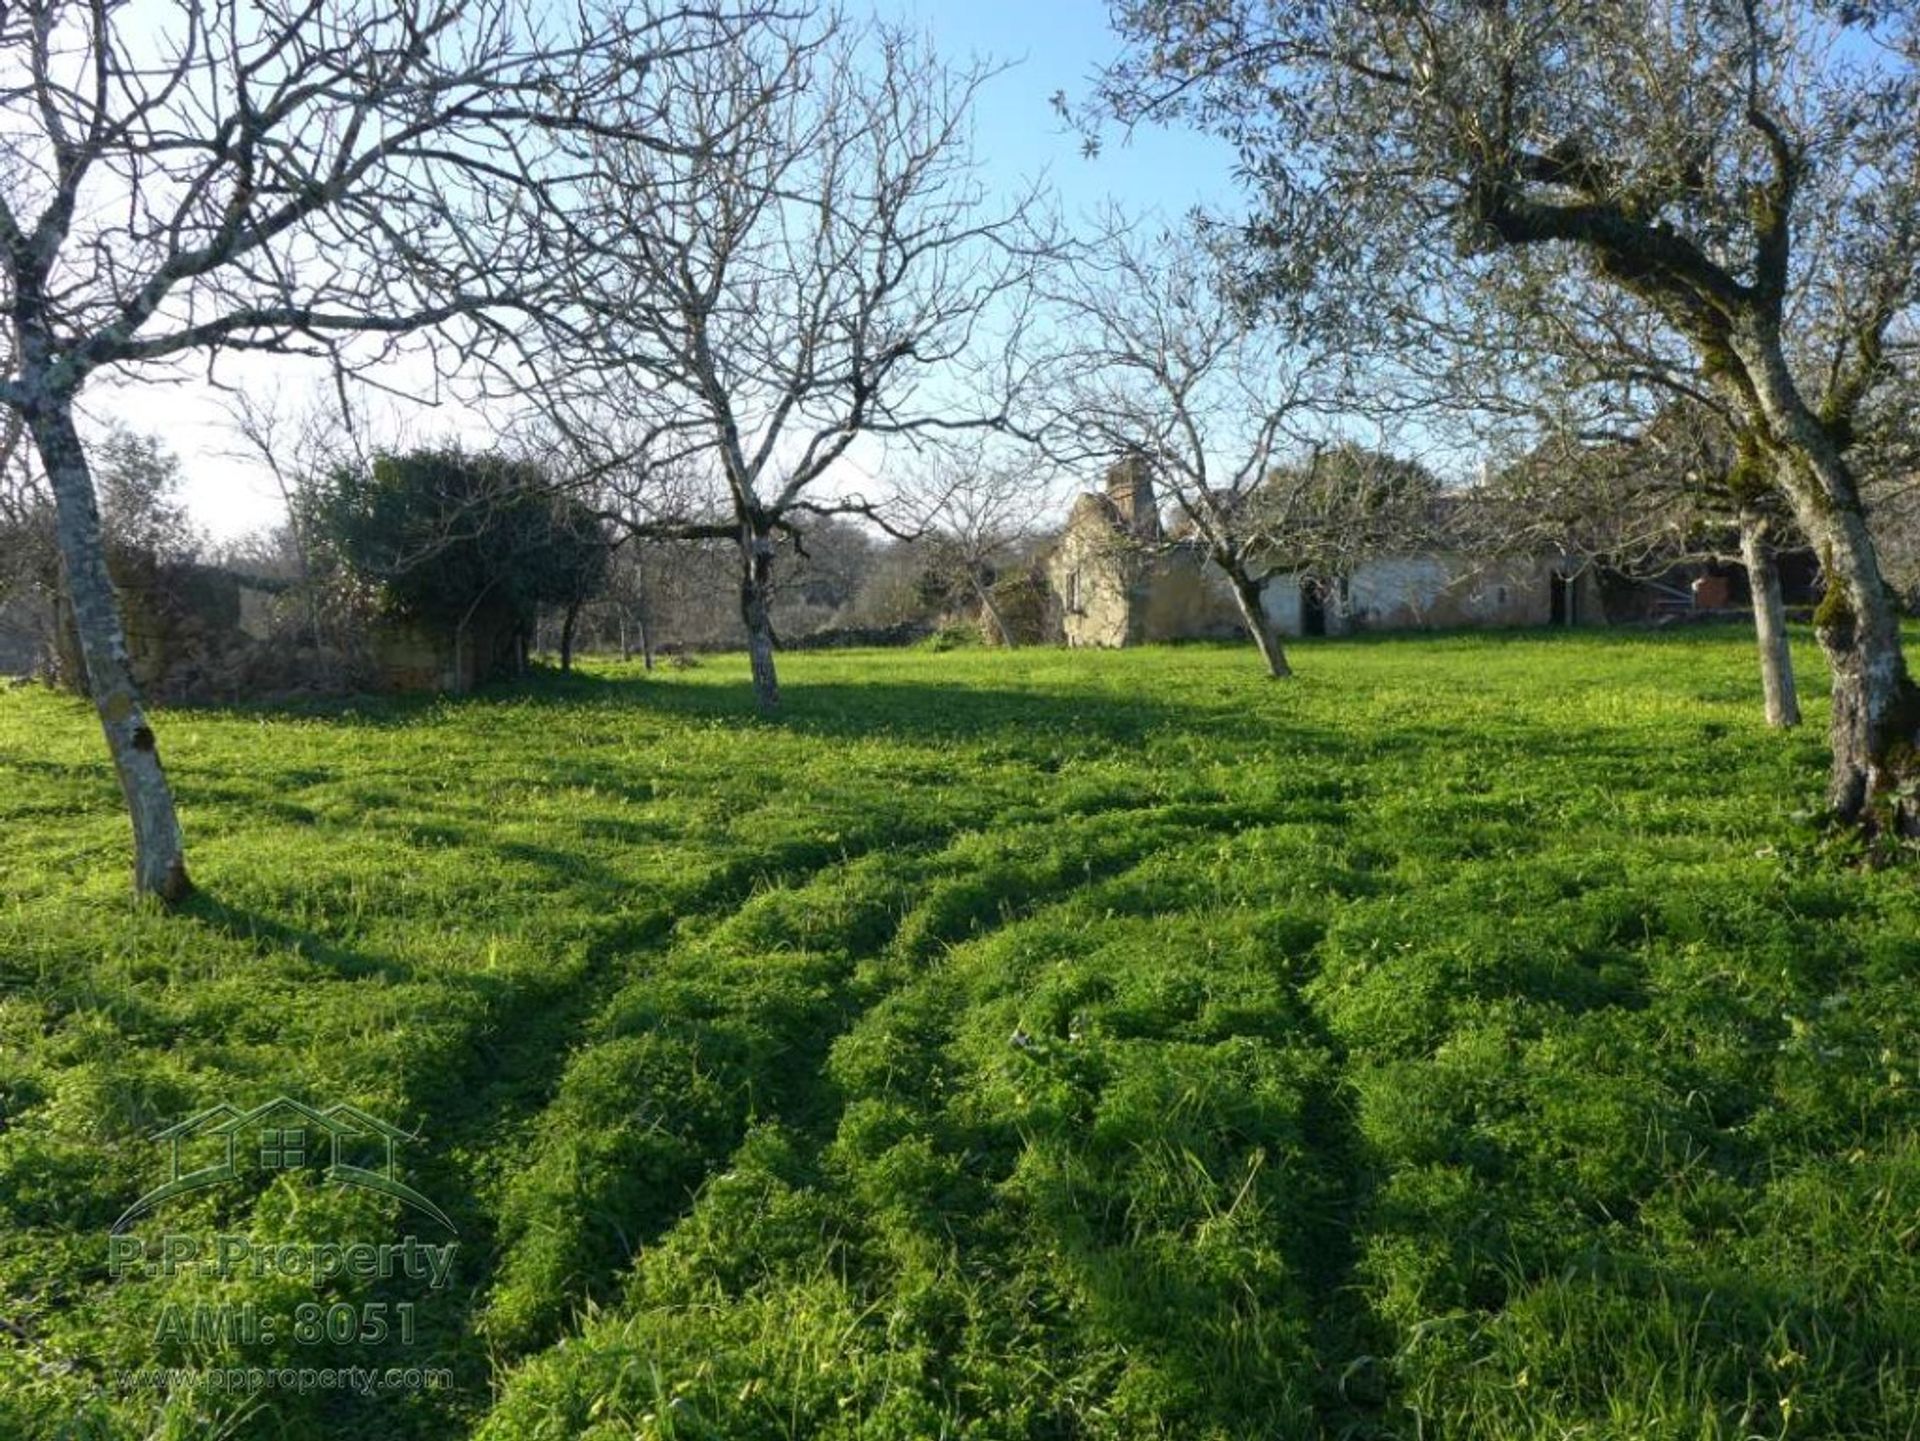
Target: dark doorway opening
(1313, 609)
(1560, 600)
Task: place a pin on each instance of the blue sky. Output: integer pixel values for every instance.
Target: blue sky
(1049, 45)
(1058, 44)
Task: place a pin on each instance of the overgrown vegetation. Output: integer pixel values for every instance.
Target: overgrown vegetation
(1464, 1041)
(444, 535)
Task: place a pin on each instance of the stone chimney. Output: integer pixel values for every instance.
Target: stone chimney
(1130, 488)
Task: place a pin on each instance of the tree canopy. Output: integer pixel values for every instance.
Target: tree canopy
(441, 534)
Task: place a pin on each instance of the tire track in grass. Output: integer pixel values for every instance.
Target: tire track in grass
(677, 1056)
(493, 1055)
(1119, 1166)
(857, 1085)
(519, 1054)
(734, 1027)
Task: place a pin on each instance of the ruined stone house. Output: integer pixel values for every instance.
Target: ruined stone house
(1117, 580)
(1120, 580)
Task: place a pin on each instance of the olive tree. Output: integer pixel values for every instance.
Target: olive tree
(1719, 198)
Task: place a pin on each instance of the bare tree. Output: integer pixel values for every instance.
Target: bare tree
(295, 442)
(629, 595)
(1159, 361)
(273, 177)
(840, 271)
(1718, 199)
(977, 512)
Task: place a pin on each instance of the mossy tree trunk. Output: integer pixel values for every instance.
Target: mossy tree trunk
(1875, 704)
(1876, 707)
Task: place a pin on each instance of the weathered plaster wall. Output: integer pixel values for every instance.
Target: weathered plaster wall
(1187, 598)
(1280, 599)
(1435, 592)
(1417, 592)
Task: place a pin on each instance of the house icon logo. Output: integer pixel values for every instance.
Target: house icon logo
(210, 1148)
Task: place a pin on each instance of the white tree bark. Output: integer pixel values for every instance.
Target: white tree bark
(1769, 622)
(159, 855)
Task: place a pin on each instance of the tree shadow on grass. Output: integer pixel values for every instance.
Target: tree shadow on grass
(258, 930)
(931, 710)
(1046, 725)
(934, 708)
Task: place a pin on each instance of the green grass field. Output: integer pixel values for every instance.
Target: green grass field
(1473, 1038)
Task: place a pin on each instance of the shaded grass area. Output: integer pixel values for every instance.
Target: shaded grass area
(1466, 1039)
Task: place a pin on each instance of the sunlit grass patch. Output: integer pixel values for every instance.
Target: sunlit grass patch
(1469, 1038)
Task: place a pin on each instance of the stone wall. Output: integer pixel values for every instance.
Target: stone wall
(1187, 598)
(415, 655)
(1098, 580)
(202, 633)
(194, 633)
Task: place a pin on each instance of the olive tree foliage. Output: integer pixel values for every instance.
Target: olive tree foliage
(1159, 357)
(840, 271)
(318, 177)
(1616, 202)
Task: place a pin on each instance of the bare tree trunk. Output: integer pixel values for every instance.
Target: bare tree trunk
(1769, 621)
(159, 852)
(643, 616)
(998, 621)
(566, 636)
(1246, 594)
(756, 610)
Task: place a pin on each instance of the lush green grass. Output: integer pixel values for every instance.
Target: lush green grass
(1464, 1040)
